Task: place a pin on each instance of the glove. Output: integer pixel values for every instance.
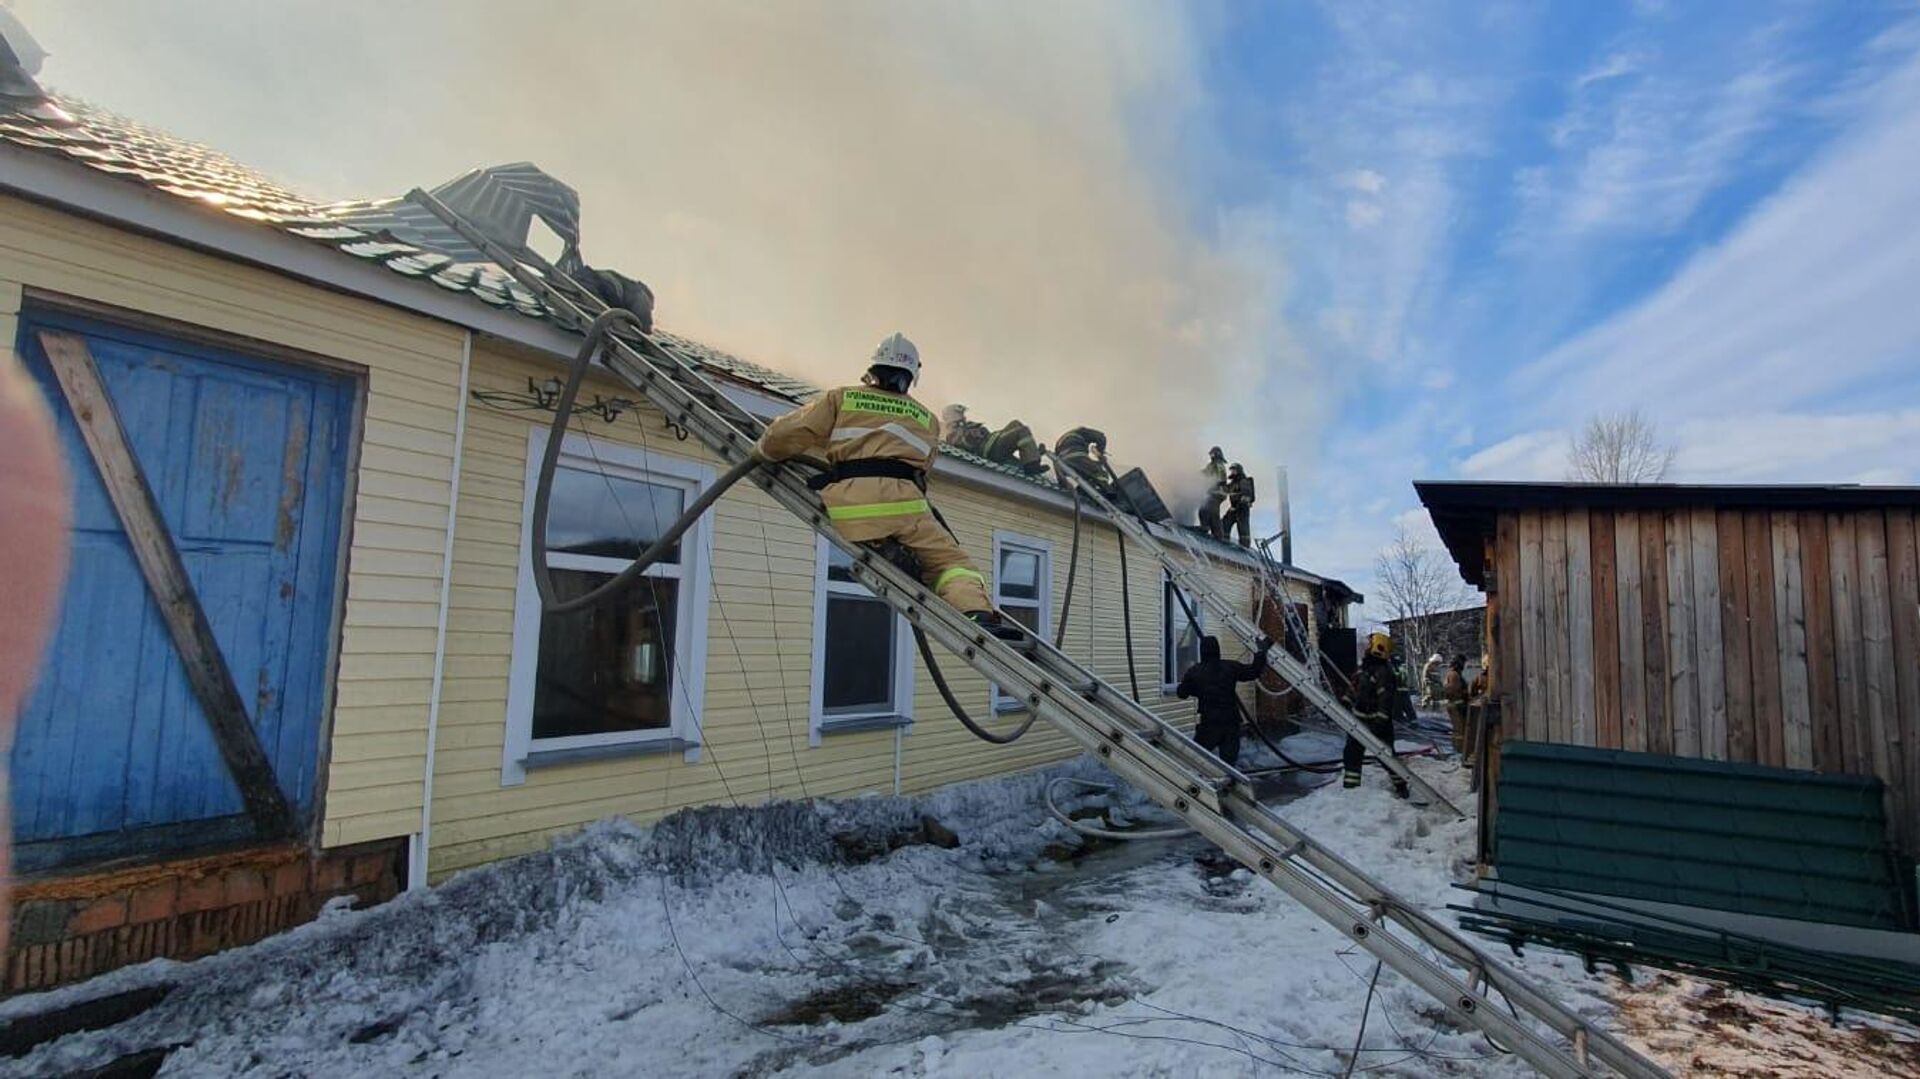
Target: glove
(1263, 644)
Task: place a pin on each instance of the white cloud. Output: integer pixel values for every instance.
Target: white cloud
(1811, 297)
(1364, 180)
(1864, 447)
(1363, 215)
(1533, 455)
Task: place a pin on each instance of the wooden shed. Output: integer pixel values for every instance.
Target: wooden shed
(1773, 625)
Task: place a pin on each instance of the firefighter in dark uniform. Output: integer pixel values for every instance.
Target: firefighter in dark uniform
(1211, 683)
(1375, 695)
(1085, 451)
(1239, 516)
(1012, 445)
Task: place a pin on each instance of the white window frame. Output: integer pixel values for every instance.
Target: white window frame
(693, 572)
(1002, 539)
(1171, 615)
(818, 722)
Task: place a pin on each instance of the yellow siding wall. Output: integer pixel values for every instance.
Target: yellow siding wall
(759, 661)
(399, 522)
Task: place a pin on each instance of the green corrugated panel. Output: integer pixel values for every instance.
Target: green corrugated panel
(1734, 837)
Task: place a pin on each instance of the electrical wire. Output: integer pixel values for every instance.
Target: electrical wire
(1365, 1010)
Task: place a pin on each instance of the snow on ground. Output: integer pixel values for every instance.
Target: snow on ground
(787, 940)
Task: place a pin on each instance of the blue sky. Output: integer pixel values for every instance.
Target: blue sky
(1501, 218)
(1375, 242)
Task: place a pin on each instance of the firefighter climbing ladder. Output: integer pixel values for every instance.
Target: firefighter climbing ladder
(1189, 574)
(1155, 756)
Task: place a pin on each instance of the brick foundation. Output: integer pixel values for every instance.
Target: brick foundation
(74, 927)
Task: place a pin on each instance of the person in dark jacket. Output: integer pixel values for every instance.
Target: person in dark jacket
(1376, 694)
(1239, 516)
(1211, 683)
(1084, 449)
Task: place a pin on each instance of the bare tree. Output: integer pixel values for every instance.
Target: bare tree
(1620, 447)
(1419, 587)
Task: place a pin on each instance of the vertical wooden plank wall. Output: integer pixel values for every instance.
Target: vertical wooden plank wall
(1903, 557)
(1764, 639)
(1790, 621)
(1606, 632)
(1776, 637)
(1555, 644)
(1533, 634)
(1683, 692)
(1633, 631)
(1735, 628)
(1580, 673)
(1823, 682)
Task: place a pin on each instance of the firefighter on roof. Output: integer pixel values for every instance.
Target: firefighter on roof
(880, 442)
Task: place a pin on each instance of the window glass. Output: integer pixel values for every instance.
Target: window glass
(1180, 638)
(609, 516)
(840, 566)
(1019, 574)
(607, 669)
(859, 662)
(1018, 585)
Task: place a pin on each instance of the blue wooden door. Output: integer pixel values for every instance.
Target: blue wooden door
(246, 460)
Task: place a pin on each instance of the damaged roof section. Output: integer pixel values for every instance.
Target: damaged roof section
(391, 232)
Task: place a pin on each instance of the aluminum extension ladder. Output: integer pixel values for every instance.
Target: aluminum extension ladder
(1190, 576)
(1273, 577)
(1146, 751)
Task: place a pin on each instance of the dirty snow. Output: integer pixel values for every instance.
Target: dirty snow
(804, 939)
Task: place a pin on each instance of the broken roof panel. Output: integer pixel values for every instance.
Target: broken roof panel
(392, 232)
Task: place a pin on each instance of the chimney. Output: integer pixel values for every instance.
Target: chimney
(1286, 519)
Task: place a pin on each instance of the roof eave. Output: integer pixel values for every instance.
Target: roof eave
(79, 189)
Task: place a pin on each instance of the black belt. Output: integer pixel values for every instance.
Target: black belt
(886, 468)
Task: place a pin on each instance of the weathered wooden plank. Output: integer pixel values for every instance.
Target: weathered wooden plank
(1903, 558)
(1790, 622)
(1849, 653)
(1654, 634)
(1605, 651)
(1505, 681)
(1709, 651)
(1882, 686)
(1730, 537)
(1823, 685)
(166, 578)
(1683, 698)
(1764, 634)
(1533, 631)
(1630, 589)
(1581, 726)
(1559, 666)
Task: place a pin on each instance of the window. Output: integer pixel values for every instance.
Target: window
(1022, 587)
(863, 653)
(1179, 632)
(625, 675)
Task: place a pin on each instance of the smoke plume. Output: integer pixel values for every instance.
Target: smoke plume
(1011, 185)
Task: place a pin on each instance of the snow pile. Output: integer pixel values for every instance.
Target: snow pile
(832, 939)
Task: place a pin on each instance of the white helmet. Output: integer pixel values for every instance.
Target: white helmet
(898, 352)
(953, 414)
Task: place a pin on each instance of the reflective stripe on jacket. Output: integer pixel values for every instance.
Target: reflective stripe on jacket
(859, 423)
